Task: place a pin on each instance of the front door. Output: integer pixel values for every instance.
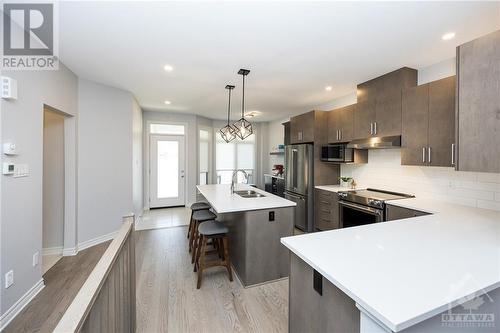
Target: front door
(167, 178)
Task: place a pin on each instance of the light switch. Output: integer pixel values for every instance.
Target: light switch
(21, 170)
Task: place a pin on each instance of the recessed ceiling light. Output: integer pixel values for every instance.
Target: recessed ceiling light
(328, 88)
(251, 114)
(168, 68)
(167, 102)
(448, 36)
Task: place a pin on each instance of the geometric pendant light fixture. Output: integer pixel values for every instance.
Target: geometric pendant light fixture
(243, 128)
(228, 132)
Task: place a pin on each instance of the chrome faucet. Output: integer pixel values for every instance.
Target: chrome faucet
(233, 180)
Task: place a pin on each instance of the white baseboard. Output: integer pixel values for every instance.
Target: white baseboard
(14, 310)
(50, 251)
(98, 240)
(70, 251)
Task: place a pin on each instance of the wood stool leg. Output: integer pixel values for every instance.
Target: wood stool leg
(201, 260)
(195, 247)
(190, 225)
(194, 234)
(227, 262)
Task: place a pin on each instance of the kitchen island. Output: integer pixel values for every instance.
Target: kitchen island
(433, 273)
(256, 220)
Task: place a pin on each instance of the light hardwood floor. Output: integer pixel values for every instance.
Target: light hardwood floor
(168, 301)
(62, 283)
(164, 218)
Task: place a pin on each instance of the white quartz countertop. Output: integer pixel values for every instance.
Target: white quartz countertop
(406, 271)
(220, 198)
(337, 188)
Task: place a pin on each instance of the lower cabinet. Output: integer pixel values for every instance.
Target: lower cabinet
(316, 305)
(326, 210)
(398, 213)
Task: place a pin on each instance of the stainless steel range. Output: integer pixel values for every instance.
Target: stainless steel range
(360, 207)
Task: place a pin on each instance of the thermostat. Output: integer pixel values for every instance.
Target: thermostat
(8, 168)
(9, 148)
(9, 88)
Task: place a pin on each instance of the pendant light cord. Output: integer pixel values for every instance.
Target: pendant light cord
(243, 99)
(229, 107)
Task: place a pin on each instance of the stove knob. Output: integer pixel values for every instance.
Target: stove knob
(377, 203)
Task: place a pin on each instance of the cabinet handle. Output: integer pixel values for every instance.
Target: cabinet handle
(340, 134)
(371, 128)
(428, 154)
(375, 128)
(452, 154)
(337, 135)
(423, 154)
(299, 136)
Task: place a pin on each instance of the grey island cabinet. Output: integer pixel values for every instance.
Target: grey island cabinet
(256, 225)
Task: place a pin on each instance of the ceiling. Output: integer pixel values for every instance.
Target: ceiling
(293, 49)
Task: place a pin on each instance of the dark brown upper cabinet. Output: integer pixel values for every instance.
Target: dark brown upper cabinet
(428, 126)
(286, 134)
(378, 110)
(478, 106)
(341, 124)
(309, 127)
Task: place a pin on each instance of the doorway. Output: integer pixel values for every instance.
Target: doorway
(167, 171)
(53, 189)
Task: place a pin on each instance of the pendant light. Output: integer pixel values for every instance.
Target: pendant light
(243, 128)
(227, 132)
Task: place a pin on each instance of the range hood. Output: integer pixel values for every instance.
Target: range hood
(381, 142)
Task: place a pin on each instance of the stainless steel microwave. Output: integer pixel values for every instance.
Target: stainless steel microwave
(338, 153)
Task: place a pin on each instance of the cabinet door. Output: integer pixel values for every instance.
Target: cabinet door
(388, 114)
(397, 213)
(478, 78)
(302, 128)
(334, 211)
(364, 116)
(347, 123)
(441, 121)
(334, 123)
(286, 128)
(415, 125)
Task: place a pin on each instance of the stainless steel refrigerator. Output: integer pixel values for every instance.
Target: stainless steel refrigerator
(299, 187)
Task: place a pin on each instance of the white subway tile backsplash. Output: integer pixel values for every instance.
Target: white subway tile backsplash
(384, 170)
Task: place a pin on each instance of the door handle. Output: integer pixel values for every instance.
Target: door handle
(423, 154)
(452, 154)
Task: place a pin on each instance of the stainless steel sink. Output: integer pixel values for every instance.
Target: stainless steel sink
(249, 194)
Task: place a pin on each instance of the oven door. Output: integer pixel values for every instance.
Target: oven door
(352, 215)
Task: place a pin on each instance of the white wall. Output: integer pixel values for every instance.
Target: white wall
(137, 158)
(384, 171)
(21, 214)
(276, 136)
(53, 180)
(105, 155)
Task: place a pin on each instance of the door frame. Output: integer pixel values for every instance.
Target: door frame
(70, 230)
(146, 156)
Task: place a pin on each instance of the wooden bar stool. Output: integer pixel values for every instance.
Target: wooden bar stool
(199, 216)
(200, 205)
(217, 232)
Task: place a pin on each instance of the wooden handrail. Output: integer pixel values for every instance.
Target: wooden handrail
(113, 278)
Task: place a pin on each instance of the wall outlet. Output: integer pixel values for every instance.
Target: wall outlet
(36, 259)
(9, 278)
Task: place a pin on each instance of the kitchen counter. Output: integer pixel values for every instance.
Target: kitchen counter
(401, 273)
(337, 188)
(220, 198)
(256, 226)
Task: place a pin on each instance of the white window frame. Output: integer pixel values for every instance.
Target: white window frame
(211, 151)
